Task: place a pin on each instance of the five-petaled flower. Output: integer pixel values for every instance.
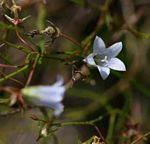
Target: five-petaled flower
(105, 58)
(46, 96)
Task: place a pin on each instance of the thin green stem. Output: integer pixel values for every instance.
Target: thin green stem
(15, 80)
(84, 122)
(111, 128)
(19, 47)
(41, 24)
(90, 123)
(14, 73)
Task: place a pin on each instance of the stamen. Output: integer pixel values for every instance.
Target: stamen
(105, 59)
(101, 59)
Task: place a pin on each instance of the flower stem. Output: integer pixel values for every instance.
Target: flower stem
(70, 39)
(140, 138)
(90, 123)
(32, 69)
(19, 47)
(84, 122)
(23, 41)
(15, 80)
(14, 73)
(7, 66)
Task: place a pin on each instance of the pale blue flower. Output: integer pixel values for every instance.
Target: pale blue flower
(105, 58)
(46, 96)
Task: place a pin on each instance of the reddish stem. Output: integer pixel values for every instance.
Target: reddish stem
(70, 39)
(12, 91)
(7, 66)
(15, 80)
(23, 41)
(32, 70)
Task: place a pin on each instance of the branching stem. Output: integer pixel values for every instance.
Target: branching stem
(70, 39)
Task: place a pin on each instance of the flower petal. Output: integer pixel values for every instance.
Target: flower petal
(59, 81)
(49, 93)
(114, 50)
(90, 60)
(46, 96)
(104, 71)
(58, 109)
(99, 45)
(43, 95)
(116, 64)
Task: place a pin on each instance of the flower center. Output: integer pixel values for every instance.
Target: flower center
(101, 60)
